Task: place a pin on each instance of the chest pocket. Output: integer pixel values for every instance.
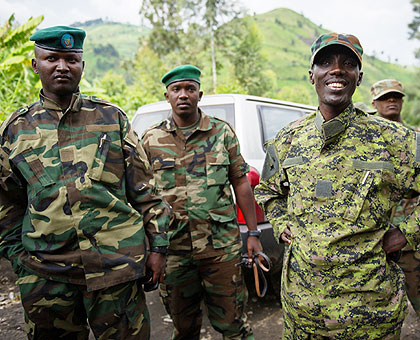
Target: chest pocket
(30, 163)
(217, 168)
(164, 173)
(34, 172)
(337, 192)
(108, 163)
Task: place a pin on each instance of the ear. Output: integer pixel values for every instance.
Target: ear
(373, 104)
(166, 96)
(311, 77)
(34, 66)
(200, 94)
(83, 65)
(359, 81)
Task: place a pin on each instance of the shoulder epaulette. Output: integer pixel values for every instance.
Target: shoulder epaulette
(20, 111)
(99, 100)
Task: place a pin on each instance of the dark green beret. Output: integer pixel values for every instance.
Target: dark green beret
(181, 73)
(60, 38)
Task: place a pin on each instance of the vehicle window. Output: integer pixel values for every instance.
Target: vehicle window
(274, 118)
(146, 120)
(225, 112)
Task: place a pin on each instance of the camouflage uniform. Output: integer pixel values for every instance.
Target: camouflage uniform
(334, 183)
(75, 206)
(192, 173)
(410, 260)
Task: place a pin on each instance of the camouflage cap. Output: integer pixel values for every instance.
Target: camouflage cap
(333, 38)
(181, 73)
(385, 86)
(60, 38)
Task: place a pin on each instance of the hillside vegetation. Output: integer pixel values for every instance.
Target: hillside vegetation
(286, 39)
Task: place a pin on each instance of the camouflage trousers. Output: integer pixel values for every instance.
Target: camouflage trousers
(292, 333)
(410, 264)
(57, 310)
(217, 282)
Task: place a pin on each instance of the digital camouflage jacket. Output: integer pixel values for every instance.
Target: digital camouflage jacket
(193, 174)
(334, 183)
(75, 198)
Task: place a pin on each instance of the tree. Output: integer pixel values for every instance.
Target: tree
(201, 31)
(18, 84)
(412, 108)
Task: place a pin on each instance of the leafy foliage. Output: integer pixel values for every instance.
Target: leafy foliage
(18, 83)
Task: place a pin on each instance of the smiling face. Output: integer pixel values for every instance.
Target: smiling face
(389, 106)
(335, 74)
(60, 72)
(184, 97)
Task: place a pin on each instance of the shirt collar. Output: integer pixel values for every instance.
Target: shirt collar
(334, 127)
(48, 103)
(204, 124)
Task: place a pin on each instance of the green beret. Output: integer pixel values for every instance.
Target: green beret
(60, 38)
(181, 73)
(333, 38)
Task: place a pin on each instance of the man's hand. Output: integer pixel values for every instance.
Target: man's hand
(253, 244)
(394, 240)
(156, 262)
(286, 235)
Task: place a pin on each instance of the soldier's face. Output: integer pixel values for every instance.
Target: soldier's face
(60, 72)
(335, 75)
(184, 97)
(389, 105)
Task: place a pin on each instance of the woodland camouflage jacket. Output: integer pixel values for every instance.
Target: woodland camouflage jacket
(75, 198)
(335, 183)
(193, 174)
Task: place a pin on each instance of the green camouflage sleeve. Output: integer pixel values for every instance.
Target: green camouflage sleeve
(238, 167)
(409, 173)
(141, 193)
(13, 204)
(271, 193)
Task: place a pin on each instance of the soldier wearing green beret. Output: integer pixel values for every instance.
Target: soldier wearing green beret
(329, 184)
(195, 158)
(77, 211)
(387, 98)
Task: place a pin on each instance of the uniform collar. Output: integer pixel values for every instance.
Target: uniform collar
(334, 127)
(50, 104)
(204, 124)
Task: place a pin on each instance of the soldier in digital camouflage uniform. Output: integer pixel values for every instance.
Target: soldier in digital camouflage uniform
(195, 158)
(387, 98)
(329, 183)
(76, 206)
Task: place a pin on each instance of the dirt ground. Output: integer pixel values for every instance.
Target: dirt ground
(265, 315)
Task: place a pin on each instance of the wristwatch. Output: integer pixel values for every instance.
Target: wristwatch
(159, 249)
(255, 233)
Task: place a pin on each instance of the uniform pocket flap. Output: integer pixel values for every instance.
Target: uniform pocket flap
(217, 159)
(222, 217)
(288, 162)
(165, 163)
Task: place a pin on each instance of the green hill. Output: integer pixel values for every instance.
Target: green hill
(286, 39)
(108, 44)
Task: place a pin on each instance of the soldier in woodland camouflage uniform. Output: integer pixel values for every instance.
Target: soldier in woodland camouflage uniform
(330, 181)
(387, 98)
(195, 158)
(76, 206)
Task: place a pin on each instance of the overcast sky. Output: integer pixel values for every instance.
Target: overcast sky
(380, 25)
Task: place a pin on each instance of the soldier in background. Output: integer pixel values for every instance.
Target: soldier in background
(76, 206)
(195, 158)
(329, 182)
(387, 98)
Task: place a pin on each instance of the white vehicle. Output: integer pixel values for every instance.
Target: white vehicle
(255, 120)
